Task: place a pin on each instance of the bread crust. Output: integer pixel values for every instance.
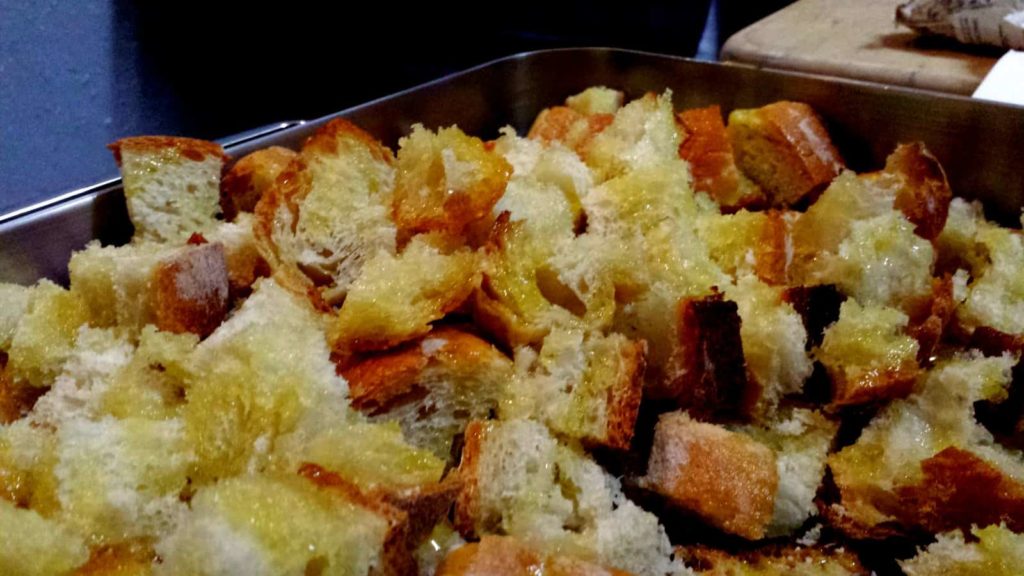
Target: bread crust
(707, 148)
(467, 503)
(190, 290)
(924, 194)
(727, 478)
(250, 178)
(623, 400)
(191, 148)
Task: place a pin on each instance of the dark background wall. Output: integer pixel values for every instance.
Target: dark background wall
(75, 76)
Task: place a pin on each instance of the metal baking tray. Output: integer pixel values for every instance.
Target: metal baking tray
(978, 143)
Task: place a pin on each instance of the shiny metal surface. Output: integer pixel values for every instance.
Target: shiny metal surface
(979, 143)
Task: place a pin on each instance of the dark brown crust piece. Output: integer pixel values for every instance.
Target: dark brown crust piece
(714, 383)
(196, 150)
(191, 290)
(818, 307)
(251, 177)
(924, 195)
(623, 402)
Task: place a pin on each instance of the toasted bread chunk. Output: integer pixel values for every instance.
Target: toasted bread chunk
(504, 556)
(596, 100)
(706, 146)
(432, 387)
(776, 561)
(395, 298)
(774, 342)
(250, 178)
(565, 125)
(329, 212)
(993, 551)
(36, 546)
(272, 357)
(179, 289)
(727, 478)
(642, 133)
(712, 369)
(121, 479)
(785, 149)
(14, 301)
(129, 558)
(585, 386)
(924, 462)
(923, 194)
(266, 525)
(446, 181)
(172, 185)
(818, 307)
(45, 334)
(519, 481)
(191, 290)
(996, 295)
(241, 253)
(757, 242)
(801, 440)
(869, 355)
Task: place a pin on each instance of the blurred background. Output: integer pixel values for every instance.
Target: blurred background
(75, 76)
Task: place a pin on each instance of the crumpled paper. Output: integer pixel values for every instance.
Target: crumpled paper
(995, 22)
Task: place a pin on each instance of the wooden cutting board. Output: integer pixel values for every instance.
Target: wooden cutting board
(859, 39)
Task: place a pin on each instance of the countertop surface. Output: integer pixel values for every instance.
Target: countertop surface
(859, 40)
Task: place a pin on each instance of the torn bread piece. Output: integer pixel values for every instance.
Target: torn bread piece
(743, 242)
(869, 355)
(727, 478)
(250, 178)
(242, 254)
(172, 185)
(583, 385)
(785, 149)
(236, 526)
(271, 357)
(45, 334)
(801, 440)
(329, 212)
(596, 100)
(574, 125)
(923, 193)
(776, 560)
(395, 298)
(520, 481)
(642, 133)
(445, 182)
(432, 386)
(31, 545)
(924, 462)
(992, 551)
(505, 556)
(708, 150)
(774, 342)
(176, 288)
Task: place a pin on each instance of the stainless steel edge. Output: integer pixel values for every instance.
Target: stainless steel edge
(977, 142)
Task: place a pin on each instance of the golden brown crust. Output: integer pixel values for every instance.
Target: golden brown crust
(15, 400)
(772, 262)
(727, 478)
(960, 490)
(190, 148)
(776, 559)
(396, 557)
(506, 556)
(123, 558)
(191, 290)
(785, 148)
(708, 150)
(872, 385)
(467, 504)
(565, 125)
(924, 194)
(713, 380)
(623, 401)
(250, 178)
(929, 325)
(426, 505)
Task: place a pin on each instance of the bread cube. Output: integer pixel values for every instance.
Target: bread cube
(250, 178)
(172, 185)
(45, 335)
(785, 149)
(31, 545)
(708, 150)
(642, 133)
(726, 478)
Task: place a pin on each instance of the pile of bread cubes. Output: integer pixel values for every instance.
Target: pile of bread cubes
(636, 341)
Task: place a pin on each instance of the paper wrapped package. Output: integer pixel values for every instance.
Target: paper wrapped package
(995, 22)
